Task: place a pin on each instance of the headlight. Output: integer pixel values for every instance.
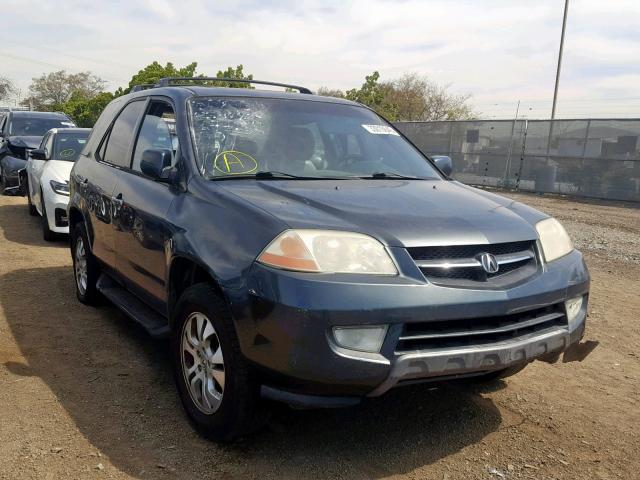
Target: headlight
(60, 187)
(554, 239)
(328, 251)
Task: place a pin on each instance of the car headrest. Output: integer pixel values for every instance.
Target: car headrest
(300, 145)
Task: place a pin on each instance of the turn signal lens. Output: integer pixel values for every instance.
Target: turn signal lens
(328, 251)
(288, 251)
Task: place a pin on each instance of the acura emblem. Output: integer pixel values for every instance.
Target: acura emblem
(489, 263)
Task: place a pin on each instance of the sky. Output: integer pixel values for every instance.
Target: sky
(498, 51)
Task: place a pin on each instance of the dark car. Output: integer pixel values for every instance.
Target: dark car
(299, 248)
(20, 132)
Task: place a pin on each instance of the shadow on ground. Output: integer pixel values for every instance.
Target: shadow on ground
(116, 384)
(26, 230)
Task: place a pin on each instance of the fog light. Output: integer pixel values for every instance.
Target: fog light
(573, 306)
(364, 339)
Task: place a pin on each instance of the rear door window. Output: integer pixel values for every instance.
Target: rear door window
(117, 150)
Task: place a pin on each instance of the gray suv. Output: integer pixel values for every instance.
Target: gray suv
(299, 248)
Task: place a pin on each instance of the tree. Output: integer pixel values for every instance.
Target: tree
(416, 98)
(152, 73)
(85, 111)
(56, 88)
(6, 88)
(408, 98)
(330, 92)
(373, 95)
(231, 72)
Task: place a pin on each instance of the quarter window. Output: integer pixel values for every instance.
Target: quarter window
(120, 138)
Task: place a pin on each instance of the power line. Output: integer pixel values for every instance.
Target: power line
(22, 58)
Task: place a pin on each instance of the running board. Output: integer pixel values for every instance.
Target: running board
(154, 323)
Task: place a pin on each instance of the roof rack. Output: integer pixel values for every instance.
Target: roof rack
(165, 82)
(144, 86)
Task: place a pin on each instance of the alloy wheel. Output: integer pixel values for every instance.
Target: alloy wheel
(81, 266)
(202, 362)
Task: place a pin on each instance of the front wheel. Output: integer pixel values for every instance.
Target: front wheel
(85, 266)
(3, 182)
(47, 234)
(33, 211)
(213, 378)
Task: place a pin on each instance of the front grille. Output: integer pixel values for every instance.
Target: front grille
(446, 334)
(459, 265)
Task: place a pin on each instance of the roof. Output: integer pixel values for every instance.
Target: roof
(200, 91)
(27, 113)
(70, 130)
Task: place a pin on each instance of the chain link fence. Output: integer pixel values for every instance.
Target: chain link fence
(590, 158)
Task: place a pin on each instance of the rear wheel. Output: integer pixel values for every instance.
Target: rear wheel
(213, 378)
(85, 266)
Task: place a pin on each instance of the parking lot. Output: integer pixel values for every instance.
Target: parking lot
(84, 393)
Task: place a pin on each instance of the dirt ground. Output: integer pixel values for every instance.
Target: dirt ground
(84, 393)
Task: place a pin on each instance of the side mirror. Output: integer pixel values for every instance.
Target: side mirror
(156, 164)
(444, 163)
(38, 154)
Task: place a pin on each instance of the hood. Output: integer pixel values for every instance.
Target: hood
(59, 170)
(25, 141)
(398, 212)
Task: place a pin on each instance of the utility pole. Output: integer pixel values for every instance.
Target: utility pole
(555, 91)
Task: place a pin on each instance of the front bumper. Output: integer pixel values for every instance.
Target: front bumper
(284, 323)
(56, 206)
(477, 359)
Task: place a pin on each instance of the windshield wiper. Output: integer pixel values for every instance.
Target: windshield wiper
(391, 175)
(272, 174)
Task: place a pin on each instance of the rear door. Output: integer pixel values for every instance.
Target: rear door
(142, 231)
(99, 179)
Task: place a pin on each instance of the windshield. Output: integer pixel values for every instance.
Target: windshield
(67, 146)
(36, 126)
(238, 137)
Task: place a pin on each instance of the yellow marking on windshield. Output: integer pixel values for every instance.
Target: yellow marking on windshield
(234, 162)
(66, 153)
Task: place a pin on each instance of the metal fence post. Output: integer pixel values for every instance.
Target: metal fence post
(522, 153)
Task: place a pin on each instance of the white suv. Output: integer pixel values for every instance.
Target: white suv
(48, 171)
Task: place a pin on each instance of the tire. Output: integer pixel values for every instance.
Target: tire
(231, 408)
(84, 262)
(33, 211)
(47, 234)
(3, 183)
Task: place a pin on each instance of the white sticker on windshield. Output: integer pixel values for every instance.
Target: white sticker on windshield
(380, 129)
(68, 124)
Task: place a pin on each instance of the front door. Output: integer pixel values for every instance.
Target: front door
(142, 231)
